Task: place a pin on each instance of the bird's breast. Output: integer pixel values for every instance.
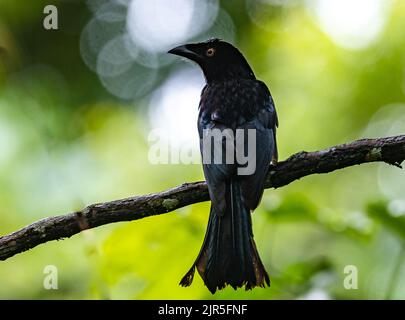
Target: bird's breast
(231, 102)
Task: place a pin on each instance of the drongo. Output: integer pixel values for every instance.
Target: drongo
(233, 105)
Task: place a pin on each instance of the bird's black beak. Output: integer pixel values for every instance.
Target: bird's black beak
(185, 51)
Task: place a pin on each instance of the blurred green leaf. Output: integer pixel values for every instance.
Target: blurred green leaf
(379, 212)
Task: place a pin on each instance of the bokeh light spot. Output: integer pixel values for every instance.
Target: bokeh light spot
(156, 25)
(174, 107)
(351, 24)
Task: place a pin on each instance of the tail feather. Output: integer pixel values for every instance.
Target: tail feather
(229, 255)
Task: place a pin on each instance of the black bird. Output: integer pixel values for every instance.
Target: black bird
(232, 99)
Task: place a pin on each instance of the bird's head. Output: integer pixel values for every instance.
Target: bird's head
(219, 60)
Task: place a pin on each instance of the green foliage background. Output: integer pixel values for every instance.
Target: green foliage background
(65, 142)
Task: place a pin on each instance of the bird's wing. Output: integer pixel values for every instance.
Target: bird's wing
(264, 123)
(216, 171)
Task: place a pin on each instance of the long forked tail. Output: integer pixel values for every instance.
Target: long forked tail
(228, 255)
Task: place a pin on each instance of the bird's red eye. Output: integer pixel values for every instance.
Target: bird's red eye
(210, 52)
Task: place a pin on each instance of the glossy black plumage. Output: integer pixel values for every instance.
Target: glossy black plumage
(232, 99)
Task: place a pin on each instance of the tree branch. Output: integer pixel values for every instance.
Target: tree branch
(390, 150)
